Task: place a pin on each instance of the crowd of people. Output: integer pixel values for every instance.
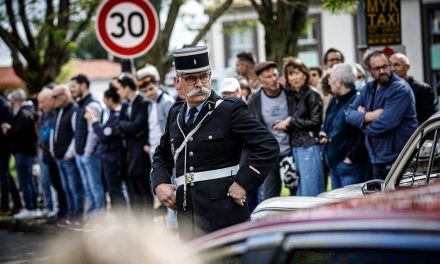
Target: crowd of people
(333, 120)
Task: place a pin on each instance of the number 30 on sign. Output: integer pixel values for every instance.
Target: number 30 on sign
(127, 28)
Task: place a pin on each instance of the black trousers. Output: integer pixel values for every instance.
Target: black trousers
(7, 184)
(55, 179)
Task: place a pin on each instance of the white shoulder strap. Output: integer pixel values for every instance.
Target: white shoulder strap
(192, 132)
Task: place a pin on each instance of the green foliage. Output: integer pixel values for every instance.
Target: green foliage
(338, 6)
(66, 73)
(89, 47)
(239, 26)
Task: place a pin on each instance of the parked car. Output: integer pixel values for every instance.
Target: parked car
(418, 159)
(400, 226)
(286, 205)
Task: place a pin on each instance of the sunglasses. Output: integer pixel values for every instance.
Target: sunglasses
(144, 82)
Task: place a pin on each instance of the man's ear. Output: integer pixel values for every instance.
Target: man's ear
(177, 82)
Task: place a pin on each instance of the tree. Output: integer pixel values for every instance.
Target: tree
(89, 47)
(41, 36)
(159, 54)
(284, 21)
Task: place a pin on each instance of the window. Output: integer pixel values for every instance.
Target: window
(426, 159)
(239, 36)
(309, 44)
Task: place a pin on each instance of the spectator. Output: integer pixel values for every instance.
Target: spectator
(342, 141)
(161, 102)
(133, 126)
(49, 175)
(245, 89)
(303, 124)
(85, 145)
(22, 134)
(63, 148)
(315, 76)
(231, 87)
(361, 77)
(426, 101)
(269, 106)
(110, 148)
(6, 182)
(244, 66)
(331, 57)
(385, 111)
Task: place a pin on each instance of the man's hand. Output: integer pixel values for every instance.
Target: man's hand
(323, 138)
(361, 109)
(5, 127)
(90, 115)
(371, 116)
(237, 193)
(165, 194)
(147, 149)
(282, 125)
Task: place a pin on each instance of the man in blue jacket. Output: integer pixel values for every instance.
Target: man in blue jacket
(385, 111)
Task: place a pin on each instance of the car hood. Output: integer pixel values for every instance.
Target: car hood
(347, 192)
(280, 205)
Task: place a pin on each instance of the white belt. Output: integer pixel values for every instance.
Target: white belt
(192, 177)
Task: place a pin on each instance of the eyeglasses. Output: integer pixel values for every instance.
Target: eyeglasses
(192, 80)
(378, 68)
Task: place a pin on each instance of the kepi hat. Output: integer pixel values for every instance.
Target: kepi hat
(191, 60)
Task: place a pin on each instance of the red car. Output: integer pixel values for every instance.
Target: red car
(391, 227)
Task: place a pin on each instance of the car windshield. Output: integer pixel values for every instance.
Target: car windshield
(425, 161)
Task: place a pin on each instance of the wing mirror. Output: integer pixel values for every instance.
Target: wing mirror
(372, 186)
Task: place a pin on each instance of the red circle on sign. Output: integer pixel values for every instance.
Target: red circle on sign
(121, 51)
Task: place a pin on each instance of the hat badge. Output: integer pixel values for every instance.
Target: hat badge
(195, 62)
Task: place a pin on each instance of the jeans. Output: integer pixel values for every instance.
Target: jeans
(45, 183)
(309, 167)
(71, 181)
(343, 174)
(89, 168)
(113, 181)
(23, 165)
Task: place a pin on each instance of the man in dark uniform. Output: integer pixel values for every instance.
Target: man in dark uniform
(203, 139)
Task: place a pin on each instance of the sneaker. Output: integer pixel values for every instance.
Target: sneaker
(52, 214)
(38, 213)
(25, 214)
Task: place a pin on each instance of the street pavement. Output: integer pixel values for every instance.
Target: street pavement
(23, 247)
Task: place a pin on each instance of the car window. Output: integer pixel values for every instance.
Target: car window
(425, 159)
(362, 256)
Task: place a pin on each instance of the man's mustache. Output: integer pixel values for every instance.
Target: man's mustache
(198, 90)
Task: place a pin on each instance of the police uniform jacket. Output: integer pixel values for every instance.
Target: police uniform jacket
(217, 144)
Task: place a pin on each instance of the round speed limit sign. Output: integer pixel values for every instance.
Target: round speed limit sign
(127, 28)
